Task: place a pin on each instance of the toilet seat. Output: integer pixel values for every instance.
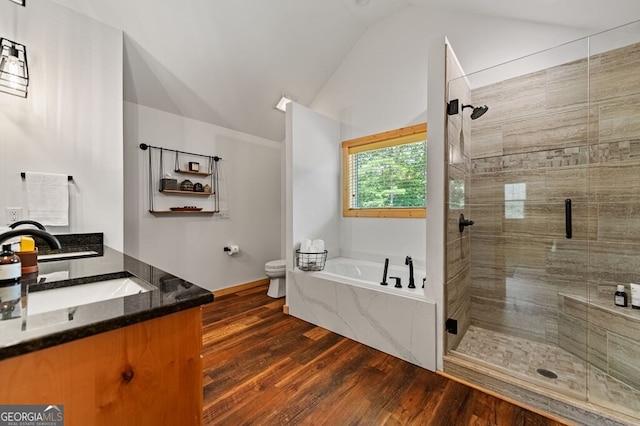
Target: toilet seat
(276, 270)
(276, 266)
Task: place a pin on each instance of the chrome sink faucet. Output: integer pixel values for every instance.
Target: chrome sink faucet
(50, 239)
(409, 261)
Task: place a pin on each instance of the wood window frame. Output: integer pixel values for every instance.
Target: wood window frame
(379, 140)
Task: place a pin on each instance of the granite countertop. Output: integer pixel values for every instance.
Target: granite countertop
(28, 333)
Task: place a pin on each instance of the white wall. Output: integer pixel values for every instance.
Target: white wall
(191, 246)
(313, 179)
(71, 121)
(382, 85)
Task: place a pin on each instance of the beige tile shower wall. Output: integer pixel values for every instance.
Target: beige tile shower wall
(571, 131)
(614, 172)
(458, 164)
(533, 143)
(612, 336)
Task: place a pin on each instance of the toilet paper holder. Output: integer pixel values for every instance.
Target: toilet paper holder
(232, 249)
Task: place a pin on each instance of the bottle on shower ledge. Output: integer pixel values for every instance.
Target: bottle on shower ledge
(621, 298)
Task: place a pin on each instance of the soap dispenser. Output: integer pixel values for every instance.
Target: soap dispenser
(620, 298)
(10, 273)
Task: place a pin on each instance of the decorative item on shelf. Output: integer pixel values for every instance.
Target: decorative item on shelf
(207, 188)
(168, 184)
(197, 187)
(194, 167)
(186, 185)
(185, 209)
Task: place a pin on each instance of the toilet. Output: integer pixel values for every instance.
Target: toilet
(276, 270)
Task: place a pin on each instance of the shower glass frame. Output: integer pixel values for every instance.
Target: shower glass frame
(520, 282)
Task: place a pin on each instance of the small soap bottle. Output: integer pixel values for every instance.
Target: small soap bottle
(10, 273)
(621, 298)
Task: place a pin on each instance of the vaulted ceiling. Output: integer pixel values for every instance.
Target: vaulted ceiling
(227, 62)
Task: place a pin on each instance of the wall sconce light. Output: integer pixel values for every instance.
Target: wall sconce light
(282, 103)
(14, 74)
(20, 2)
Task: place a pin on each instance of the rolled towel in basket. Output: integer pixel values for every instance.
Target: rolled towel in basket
(305, 246)
(315, 256)
(317, 246)
(303, 257)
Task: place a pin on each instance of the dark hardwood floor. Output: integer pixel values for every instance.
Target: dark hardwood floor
(267, 368)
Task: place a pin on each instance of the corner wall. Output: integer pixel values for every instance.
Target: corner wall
(71, 121)
(457, 185)
(313, 185)
(191, 246)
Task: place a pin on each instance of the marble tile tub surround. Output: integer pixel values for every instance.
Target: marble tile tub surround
(400, 326)
(170, 294)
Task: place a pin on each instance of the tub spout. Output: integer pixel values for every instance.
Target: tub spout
(409, 261)
(398, 281)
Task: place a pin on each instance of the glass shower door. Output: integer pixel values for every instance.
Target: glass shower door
(527, 260)
(614, 331)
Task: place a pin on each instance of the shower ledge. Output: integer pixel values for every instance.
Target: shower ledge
(602, 303)
(601, 334)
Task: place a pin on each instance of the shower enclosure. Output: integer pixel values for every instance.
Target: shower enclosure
(550, 176)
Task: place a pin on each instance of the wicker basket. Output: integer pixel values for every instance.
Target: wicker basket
(310, 261)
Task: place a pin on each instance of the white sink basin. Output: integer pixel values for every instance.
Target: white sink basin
(67, 297)
(65, 255)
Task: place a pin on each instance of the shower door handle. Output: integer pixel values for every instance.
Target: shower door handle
(567, 217)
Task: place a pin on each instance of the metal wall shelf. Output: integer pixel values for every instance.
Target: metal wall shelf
(166, 212)
(176, 191)
(188, 172)
(211, 172)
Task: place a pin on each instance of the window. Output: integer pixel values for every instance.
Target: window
(385, 175)
(515, 194)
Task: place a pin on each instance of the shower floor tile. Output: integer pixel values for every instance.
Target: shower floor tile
(522, 358)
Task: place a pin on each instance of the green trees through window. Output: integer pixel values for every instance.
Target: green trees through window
(385, 175)
(390, 177)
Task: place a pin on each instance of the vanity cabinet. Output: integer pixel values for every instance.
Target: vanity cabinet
(147, 373)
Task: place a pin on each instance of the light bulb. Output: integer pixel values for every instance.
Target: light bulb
(14, 70)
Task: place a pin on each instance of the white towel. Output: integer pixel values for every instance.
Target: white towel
(48, 198)
(305, 246)
(317, 246)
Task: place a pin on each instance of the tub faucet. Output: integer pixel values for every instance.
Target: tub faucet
(50, 239)
(398, 281)
(408, 261)
(38, 225)
(384, 273)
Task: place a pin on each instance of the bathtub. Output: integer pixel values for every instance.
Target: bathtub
(364, 273)
(347, 298)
